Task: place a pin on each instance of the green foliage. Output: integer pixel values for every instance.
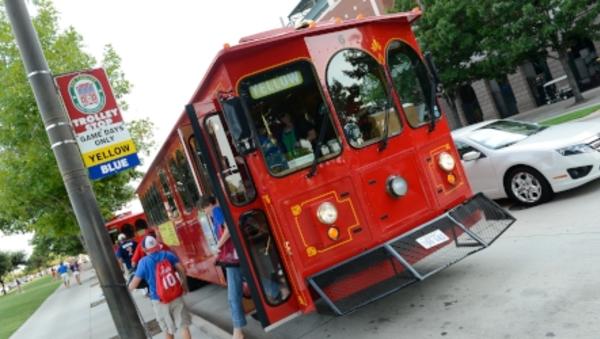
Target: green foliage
(8, 262)
(33, 196)
(5, 264)
(461, 36)
(47, 246)
(37, 260)
(487, 39)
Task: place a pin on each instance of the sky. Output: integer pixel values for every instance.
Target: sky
(166, 47)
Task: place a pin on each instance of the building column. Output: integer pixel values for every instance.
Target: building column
(554, 65)
(459, 110)
(597, 47)
(522, 91)
(486, 102)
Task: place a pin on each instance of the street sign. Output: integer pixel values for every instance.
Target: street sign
(104, 142)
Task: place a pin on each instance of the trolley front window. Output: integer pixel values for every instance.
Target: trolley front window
(411, 82)
(288, 112)
(357, 86)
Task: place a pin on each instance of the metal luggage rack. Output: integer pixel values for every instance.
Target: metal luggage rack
(413, 256)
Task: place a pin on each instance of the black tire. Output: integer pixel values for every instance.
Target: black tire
(527, 186)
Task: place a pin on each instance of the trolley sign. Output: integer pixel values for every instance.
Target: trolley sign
(104, 142)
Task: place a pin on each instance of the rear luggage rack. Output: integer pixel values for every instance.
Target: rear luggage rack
(413, 256)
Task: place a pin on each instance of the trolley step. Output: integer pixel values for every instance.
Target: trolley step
(414, 256)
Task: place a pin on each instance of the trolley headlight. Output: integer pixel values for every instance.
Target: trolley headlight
(327, 213)
(396, 186)
(446, 161)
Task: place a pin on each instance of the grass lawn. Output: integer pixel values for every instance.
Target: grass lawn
(15, 308)
(571, 116)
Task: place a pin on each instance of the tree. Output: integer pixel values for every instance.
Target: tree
(8, 262)
(556, 25)
(488, 39)
(461, 35)
(33, 196)
(5, 267)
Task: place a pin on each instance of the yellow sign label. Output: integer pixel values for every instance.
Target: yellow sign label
(108, 153)
(168, 234)
(278, 84)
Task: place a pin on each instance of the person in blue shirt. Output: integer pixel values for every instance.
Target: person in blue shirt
(125, 252)
(63, 271)
(233, 272)
(171, 316)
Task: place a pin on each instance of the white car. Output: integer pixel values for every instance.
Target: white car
(528, 162)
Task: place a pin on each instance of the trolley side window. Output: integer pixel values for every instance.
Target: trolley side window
(153, 206)
(288, 111)
(186, 187)
(357, 85)
(265, 258)
(232, 167)
(172, 210)
(411, 82)
(202, 171)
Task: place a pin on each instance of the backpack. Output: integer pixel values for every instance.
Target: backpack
(168, 286)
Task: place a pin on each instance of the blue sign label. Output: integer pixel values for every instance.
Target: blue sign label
(113, 167)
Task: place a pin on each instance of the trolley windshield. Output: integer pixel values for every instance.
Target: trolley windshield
(288, 112)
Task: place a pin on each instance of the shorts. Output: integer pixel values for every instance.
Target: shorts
(65, 276)
(76, 273)
(171, 316)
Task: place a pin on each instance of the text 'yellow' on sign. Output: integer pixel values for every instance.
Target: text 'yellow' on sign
(108, 153)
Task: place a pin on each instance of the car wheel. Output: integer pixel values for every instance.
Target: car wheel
(527, 186)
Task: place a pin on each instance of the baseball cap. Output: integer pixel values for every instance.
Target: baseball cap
(150, 244)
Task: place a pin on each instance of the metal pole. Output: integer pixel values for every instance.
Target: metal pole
(79, 189)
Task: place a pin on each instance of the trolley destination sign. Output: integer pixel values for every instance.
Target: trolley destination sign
(104, 142)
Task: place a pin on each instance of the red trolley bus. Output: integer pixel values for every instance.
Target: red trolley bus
(130, 224)
(335, 168)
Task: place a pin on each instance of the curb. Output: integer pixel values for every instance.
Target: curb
(211, 330)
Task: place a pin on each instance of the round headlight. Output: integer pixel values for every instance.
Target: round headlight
(446, 161)
(327, 213)
(397, 186)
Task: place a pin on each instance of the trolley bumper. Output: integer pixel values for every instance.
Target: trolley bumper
(411, 257)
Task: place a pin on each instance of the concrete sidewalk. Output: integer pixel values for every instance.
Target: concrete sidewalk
(559, 108)
(81, 312)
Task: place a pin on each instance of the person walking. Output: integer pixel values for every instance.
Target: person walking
(125, 253)
(228, 258)
(76, 271)
(63, 271)
(165, 288)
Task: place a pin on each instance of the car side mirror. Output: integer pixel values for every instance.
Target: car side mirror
(471, 156)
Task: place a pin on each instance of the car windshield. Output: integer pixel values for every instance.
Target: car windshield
(503, 133)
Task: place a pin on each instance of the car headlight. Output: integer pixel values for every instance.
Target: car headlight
(575, 149)
(446, 161)
(327, 213)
